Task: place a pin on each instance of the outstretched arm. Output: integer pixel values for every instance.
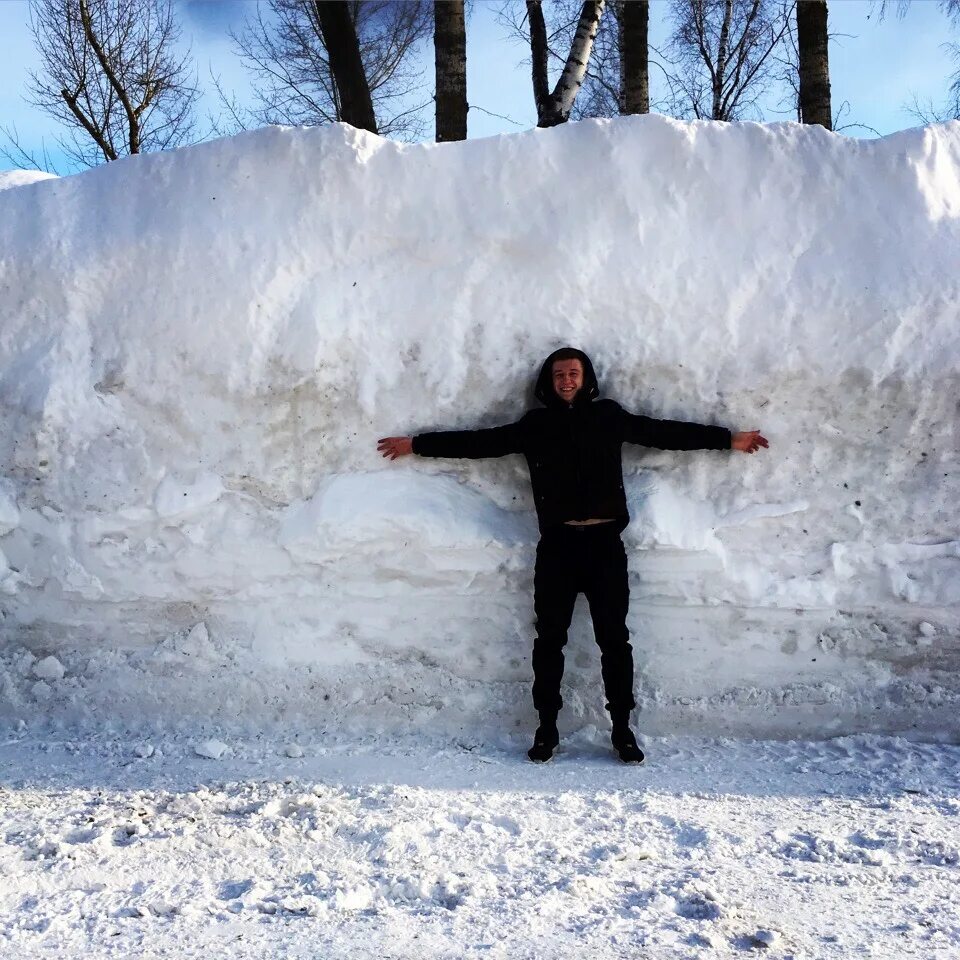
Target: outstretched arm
(677, 435)
(673, 434)
(748, 441)
(466, 444)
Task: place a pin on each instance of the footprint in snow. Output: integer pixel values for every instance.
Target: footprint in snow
(506, 823)
(698, 906)
(83, 835)
(235, 889)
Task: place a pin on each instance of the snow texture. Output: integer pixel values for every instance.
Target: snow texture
(200, 348)
(391, 848)
(20, 178)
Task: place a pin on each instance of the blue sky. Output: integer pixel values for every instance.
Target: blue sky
(877, 67)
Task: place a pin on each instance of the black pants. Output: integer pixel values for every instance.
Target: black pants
(589, 560)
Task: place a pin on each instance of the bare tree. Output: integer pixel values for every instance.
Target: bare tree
(554, 107)
(282, 45)
(346, 67)
(722, 55)
(23, 158)
(789, 76)
(599, 94)
(786, 68)
(814, 62)
(950, 7)
(450, 55)
(787, 58)
(113, 75)
(634, 19)
(929, 112)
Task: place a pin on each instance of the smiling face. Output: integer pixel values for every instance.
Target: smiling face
(567, 379)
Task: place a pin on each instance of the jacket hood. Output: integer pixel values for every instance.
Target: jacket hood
(544, 391)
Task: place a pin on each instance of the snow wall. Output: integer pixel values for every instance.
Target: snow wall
(200, 349)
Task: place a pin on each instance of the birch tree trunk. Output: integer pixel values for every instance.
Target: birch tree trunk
(450, 51)
(343, 49)
(814, 62)
(554, 108)
(634, 57)
(723, 53)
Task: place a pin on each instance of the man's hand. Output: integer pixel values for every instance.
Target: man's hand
(748, 441)
(394, 447)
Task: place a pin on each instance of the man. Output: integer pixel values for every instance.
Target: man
(572, 446)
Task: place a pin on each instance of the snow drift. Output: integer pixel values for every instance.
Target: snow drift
(199, 350)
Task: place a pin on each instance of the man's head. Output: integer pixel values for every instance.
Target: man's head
(566, 377)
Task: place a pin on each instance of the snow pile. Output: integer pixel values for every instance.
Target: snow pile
(19, 178)
(201, 348)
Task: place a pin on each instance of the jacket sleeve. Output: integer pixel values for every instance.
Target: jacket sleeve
(672, 434)
(472, 444)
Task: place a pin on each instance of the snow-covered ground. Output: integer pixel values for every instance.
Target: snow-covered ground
(391, 848)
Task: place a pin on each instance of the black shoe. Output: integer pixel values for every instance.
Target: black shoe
(625, 743)
(544, 743)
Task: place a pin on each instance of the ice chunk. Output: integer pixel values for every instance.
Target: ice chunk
(211, 749)
(765, 938)
(49, 668)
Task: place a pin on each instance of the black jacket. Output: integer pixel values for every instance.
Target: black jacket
(573, 450)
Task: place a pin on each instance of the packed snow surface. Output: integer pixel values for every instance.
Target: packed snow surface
(199, 350)
(392, 848)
